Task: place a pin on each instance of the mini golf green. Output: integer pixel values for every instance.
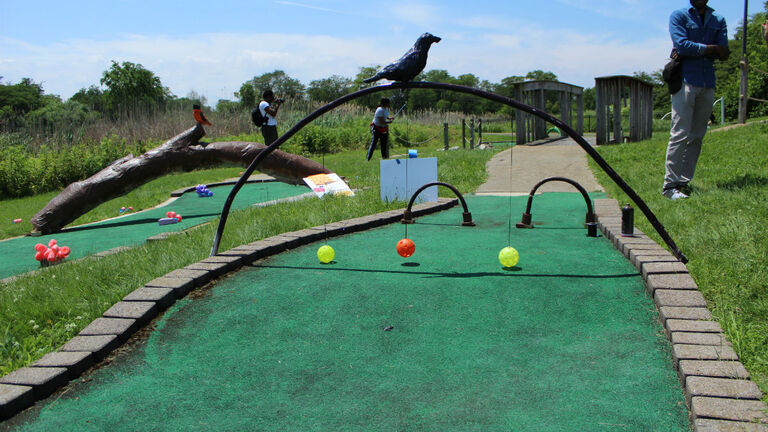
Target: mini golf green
(133, 229)
(565, 341)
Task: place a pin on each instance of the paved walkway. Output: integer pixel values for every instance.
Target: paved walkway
(533, 163)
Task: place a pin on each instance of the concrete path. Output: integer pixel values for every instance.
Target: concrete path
(535, 162)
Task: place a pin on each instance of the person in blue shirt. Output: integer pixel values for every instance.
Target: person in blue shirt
(700, 37)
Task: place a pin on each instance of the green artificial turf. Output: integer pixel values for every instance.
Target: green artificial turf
(566, 340)
(132, 229)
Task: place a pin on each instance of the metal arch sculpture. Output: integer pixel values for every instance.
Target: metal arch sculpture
(467, 216)
(460, 89)
(526, 220)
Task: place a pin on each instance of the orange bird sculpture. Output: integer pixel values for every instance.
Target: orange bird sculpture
(199, 116)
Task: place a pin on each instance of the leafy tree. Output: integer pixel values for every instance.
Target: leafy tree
(369, 101)
(92, 98)
(58, 116)
(247, 96)
(132, 88)
(728, 72)
(16, 100)
(225, 106)
(540, 75)
(279, 82)
(328, 89)
(21, 98)
(590, 99)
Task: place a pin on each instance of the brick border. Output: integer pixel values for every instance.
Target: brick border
(717, 388)
(21, 388)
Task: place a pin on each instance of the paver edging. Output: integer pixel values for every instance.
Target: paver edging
(22, 387)
(718, 400)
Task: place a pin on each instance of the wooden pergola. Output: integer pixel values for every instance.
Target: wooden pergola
(531, 128)
(611, 93)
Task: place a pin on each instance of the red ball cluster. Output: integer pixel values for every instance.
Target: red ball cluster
(171, 214)
(53, 253)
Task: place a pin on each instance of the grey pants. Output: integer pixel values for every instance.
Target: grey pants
(691, 108)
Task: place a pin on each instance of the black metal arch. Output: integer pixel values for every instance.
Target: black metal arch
(526, 221)
(460, 89)
(408, 216)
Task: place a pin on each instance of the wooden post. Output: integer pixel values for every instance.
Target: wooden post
(471, 134)
(540, 124)
(445, 136)
(600, 105)
(634, 112)
(580, 114)
(463, 133)
(743, 90)
(479, 131)
(618, 134)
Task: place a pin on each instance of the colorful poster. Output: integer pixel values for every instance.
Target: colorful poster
(322, 184)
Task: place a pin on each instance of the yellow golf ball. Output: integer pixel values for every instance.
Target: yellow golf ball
(325, 254)
(508, 256)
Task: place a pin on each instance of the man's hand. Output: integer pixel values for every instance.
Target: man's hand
(721, 52)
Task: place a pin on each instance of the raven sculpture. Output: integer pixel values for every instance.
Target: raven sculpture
(410, 64)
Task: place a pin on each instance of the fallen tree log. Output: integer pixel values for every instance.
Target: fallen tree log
(184, 151)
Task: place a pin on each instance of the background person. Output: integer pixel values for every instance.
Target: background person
(699, 36)
(269, 107)
(380, 129)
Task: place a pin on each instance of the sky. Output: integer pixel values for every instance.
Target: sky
(213, 47)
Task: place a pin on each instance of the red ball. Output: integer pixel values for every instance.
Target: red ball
(406, 248)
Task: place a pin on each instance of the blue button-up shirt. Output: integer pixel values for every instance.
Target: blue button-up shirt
(691, 36)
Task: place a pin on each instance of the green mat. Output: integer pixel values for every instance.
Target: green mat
(565, 341)
(19, 253)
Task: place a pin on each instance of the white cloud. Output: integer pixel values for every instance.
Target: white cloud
(216, 64)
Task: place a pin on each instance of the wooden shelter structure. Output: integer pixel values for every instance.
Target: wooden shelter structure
(531, 128)
(611, 93)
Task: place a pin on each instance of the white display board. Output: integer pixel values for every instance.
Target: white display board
(400, 178)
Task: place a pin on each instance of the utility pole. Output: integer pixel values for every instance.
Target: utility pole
(743, 86)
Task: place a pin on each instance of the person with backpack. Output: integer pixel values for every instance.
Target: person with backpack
(699, 36)
(265, 116)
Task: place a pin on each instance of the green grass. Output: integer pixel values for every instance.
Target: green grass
(40, 312)
(721, 228)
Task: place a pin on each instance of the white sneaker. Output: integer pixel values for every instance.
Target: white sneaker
(675, 194)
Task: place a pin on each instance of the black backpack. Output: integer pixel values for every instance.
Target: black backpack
(258, 119)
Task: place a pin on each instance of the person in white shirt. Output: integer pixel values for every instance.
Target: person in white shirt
(269, 107)
(380, 129)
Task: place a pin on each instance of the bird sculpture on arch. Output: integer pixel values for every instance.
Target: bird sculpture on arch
(410, 64)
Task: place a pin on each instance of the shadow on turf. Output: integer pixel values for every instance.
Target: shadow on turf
(505, 272)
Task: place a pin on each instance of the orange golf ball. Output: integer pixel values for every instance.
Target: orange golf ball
(406, 247)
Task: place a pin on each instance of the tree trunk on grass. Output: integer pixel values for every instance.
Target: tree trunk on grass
(183, 151)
